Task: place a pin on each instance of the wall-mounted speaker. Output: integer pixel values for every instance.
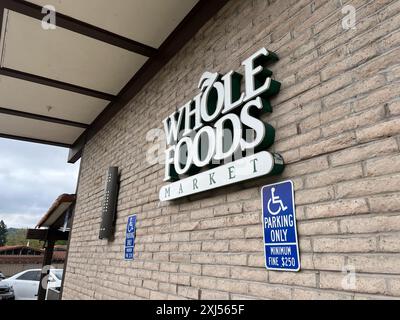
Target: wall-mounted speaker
(109, 204)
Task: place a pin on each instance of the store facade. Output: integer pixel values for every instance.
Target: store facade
(335, 126)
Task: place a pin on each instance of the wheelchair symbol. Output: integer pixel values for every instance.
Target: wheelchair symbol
(275, 200)
(131, 227)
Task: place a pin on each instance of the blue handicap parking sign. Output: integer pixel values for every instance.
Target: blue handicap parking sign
(130, 238)
(281, 246)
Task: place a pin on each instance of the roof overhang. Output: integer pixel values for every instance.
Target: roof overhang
(54, 216)
(60, 87)
(51, 225)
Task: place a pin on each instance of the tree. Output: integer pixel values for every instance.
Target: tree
(17, 237)
(3, 233)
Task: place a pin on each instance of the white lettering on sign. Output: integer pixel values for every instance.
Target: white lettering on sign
(219, 125)
(279, 221)
(246, 168)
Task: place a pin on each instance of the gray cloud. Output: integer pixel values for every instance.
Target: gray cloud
(32, 176)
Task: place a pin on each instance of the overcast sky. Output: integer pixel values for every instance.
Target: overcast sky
(32, 176)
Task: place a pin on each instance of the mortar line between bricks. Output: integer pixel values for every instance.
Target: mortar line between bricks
(363, 33)
(331, 152)
(320, 84)
(354, 216)
(352, 100)
(330, 39)
(323, 18)
(302, 205)
(289, 286)
(291, 19)
(357, 254)
(314, 172)
(330, 123)
(355, 67)
(344, 236)
(308, 220)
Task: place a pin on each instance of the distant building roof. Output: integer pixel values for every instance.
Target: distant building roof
(58, 257)
(60, 247)
(6, 248)
(24, 254)
(19, 250)
(12, 259)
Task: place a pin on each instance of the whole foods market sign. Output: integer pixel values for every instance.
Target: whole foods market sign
(218, 138)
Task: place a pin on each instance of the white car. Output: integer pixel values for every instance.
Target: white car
(26, 283)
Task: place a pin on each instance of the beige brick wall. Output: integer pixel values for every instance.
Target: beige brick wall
(338, 128)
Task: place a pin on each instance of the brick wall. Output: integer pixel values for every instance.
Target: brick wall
(338, 128)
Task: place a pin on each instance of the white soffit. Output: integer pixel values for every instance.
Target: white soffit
(35, 129)
(35, 98)
(146, 21)
(66, 56)
(56, 214)
(73, 58)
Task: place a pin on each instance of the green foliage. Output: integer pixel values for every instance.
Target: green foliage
(3, 233)
(17, 237)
